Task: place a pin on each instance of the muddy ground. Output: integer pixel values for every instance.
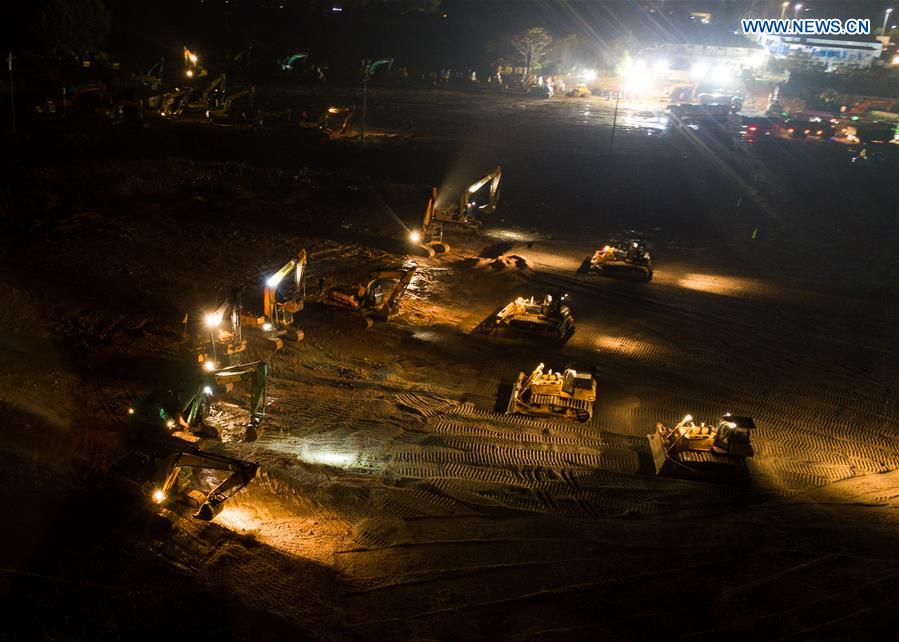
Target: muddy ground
(395, 500)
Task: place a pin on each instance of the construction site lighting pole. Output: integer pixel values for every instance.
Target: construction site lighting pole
(12, 93)
(614, 119)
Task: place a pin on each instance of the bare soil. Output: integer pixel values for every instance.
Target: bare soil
(395, 499)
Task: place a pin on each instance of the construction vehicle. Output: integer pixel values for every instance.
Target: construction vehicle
(287, 63)
(465, 213)
(370, 299)
(175, 478)
(200, 100)
(581, 90)
(192, 67)
(698, 448)
(225, 344)
(278, 317)
(152, 77)
(181, 412)
(336, 119)
(549, 319)
(569, 394)
(221, 105)
(169, 103)
(627, 260)
(430, 236)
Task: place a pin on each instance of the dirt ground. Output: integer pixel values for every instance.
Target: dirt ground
(395, 500)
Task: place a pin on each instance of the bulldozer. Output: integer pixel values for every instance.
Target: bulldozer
(278, 315)
(430, 236)
(568, 394)
(547, 320)
(698, 448)
(181, 412)
(629, 260)
(165, 480)
(370, 299)
(467, 211)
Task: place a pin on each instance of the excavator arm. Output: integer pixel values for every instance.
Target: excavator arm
(389, 305)
(270, 304)
(195, 405)
(230, 338)
(242, 473)
(493, 178)
(288, 63)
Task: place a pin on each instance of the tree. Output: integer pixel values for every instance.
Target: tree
(533, 44)
(569, 52)
(72, 27)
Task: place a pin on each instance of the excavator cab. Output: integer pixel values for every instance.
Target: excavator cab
(374, 295)
(733, 434)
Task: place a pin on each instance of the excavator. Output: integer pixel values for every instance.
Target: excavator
(569, 394)
(287, 63)
(176, 477)
(465, 213)
(182, 411)
(192, 67)
(430, 236)
(223, 106)
(224, 344)
(549, 319)
(370, 299)
(702, 448)
(336, 119)
(201, 100)
(628, 260)
(277, 317)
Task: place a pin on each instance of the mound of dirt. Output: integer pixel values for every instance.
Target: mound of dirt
(502, 263)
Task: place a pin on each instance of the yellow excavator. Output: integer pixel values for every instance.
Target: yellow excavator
(466, 212)
(225, 344)
(629, 260)
(549, 320)
(181, 412)
(430, 236)
(370, 299)
(278, 316)
(698, 448)
(568, 394)
(192, 67)
(176, 478)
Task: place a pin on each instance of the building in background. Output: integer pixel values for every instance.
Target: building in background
(829, 52)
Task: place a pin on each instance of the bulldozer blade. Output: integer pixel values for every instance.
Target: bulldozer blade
(659, 456)
(513, 398)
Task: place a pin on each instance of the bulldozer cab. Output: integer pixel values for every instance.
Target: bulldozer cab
(576, 385)
(732, 435)
(552, 306)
